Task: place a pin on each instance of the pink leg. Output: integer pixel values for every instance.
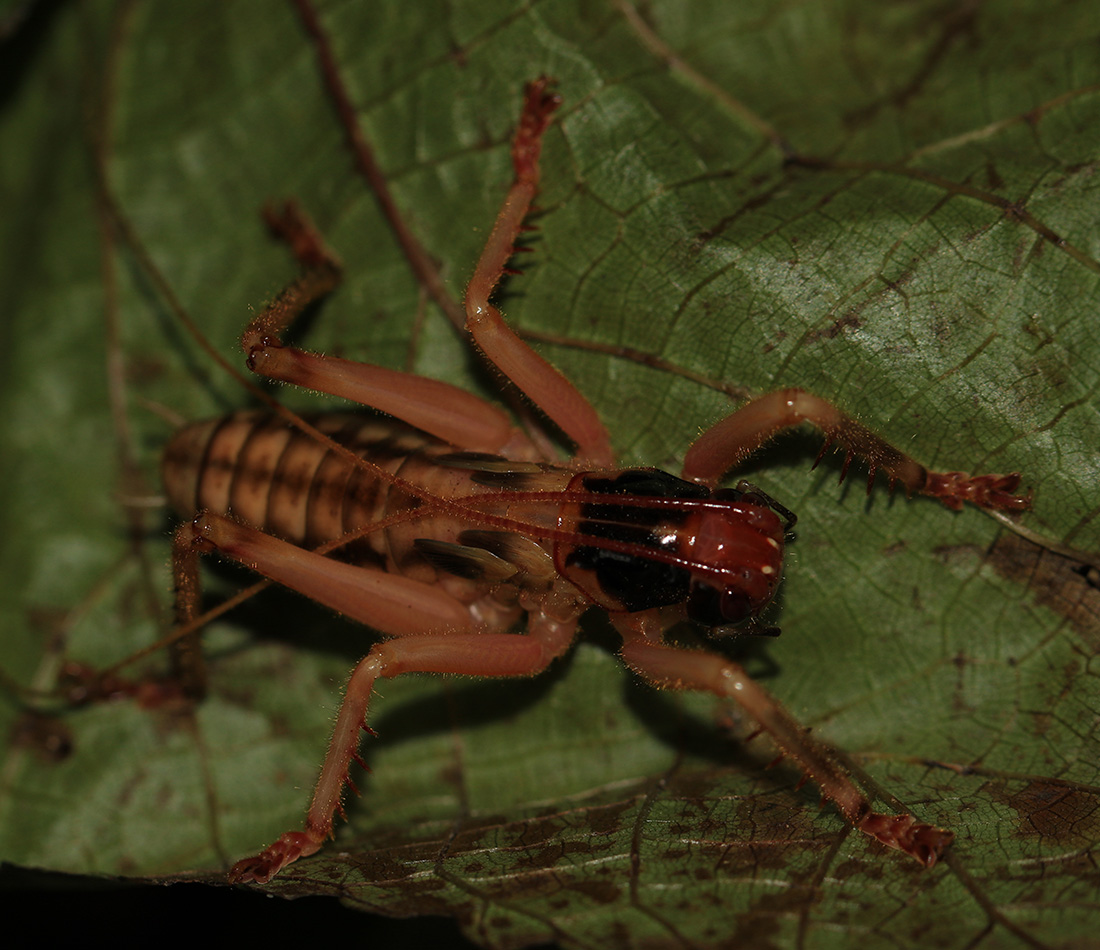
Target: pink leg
(389, 603)
(729, 442)
(443, 410)
(471, 654)
(437, 633)
(542, 383)
(692, 669)
(188, 664)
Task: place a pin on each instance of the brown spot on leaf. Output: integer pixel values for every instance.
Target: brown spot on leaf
(384, 865)
(779, 337)
(993, 177)
(610, 818)
(1057, 582)
(850, 321)
(46, 736)
(601, 892)
(1067, 815)
(761, 925)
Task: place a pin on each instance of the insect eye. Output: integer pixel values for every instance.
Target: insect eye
(736, 606)
(711, 607)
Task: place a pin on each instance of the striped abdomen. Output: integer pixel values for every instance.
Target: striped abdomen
(265, 472)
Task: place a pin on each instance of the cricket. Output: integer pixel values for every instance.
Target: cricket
(455, 534)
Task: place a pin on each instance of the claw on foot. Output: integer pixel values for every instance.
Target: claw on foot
(539, 104)
(262, 867)
(996, 492)
(919, 840)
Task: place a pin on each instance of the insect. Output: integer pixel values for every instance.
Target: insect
(446, 525)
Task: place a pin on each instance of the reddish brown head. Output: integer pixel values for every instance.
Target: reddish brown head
(643, 539)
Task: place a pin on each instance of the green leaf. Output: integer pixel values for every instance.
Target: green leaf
(891, 206)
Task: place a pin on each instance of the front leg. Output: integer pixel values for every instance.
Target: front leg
(729, 442)
(699, 670)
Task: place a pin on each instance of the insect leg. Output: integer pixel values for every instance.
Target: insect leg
(469, 654)
(695, 669)
(445, 411)
(538, 380)
(729, 442)
(389, 603)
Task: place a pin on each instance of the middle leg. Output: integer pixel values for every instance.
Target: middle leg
(502, 655)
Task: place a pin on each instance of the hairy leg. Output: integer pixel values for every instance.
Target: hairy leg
(448, 412)
(695, 669)
(538, 380)
(732, 440)
(471, 654)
